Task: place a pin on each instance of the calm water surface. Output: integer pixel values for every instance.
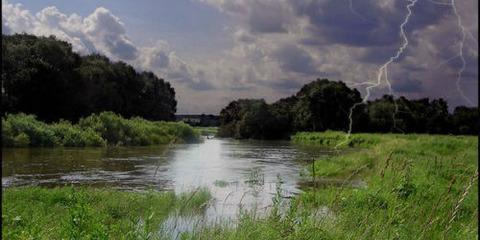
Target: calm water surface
(236, 172)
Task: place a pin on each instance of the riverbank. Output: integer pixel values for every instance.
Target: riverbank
(416, 187)
(383, 186)
(96, 130)
(92, 213)
(207, 131)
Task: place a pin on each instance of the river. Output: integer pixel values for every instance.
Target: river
(237, 172)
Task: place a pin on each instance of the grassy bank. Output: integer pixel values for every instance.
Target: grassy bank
(207, 131)
(106, 128)
(388, 186)
(415, 187)
(87, 213)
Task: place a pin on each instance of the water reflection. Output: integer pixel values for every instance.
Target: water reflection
(238, 173)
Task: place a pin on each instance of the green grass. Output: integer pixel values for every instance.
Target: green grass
(207, 131)
(88, 213)
(338, 139)
(417, 186)
(106, 128)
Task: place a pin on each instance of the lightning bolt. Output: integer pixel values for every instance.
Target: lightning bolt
(461, 44)
(382, 72)
(355, 84)
(470, 34)
(460, 53)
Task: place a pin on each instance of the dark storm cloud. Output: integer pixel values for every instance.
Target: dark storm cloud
(350, 40)
(333, 22)
(267, 18)
(378, 54)
(367, 24)
(284, 85)
(294, 59)
(259, 16)
(407, 86)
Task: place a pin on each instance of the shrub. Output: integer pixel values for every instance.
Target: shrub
(73, 136)
(39, 133)
(95, 130)
(22, 140)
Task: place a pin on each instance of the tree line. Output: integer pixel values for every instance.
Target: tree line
(325, 105)
(44, 77)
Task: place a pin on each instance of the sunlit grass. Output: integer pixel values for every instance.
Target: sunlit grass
(417, 186)
(88, 213)
(106, 128)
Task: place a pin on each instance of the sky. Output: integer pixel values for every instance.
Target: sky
(216, 51)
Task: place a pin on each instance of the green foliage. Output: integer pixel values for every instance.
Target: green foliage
(319, 105)
(250, 118)
(88, 213)
(406, 116)
(73, 136)
(207, 131)
(21, 130)
(44, 77)
(182, 131)
(335, 138)
(414, 183)
(328, 105)
(466, 120)
(21, 140)
(38, 133)
(324, 105)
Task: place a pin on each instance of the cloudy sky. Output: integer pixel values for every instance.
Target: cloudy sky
(215, 51)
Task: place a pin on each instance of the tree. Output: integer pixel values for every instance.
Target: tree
(36, 74)
(324, 104)
(250, 118)
(43, 76)
(466, 120)
(284, 114)
(381, 114)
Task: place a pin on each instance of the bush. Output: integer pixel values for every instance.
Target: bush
(39, 133)
(22, 140)
(21, 130)
(73, 136)
(137, 131)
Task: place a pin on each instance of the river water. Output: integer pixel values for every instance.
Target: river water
(237, 172)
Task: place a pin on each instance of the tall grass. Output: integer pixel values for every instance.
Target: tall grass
(207, 131)
(106, 128)
(332, 139)
(417, 186)
(88, 213)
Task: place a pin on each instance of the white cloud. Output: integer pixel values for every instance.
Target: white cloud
(107, 32)
(281, 44)
(103, 32)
